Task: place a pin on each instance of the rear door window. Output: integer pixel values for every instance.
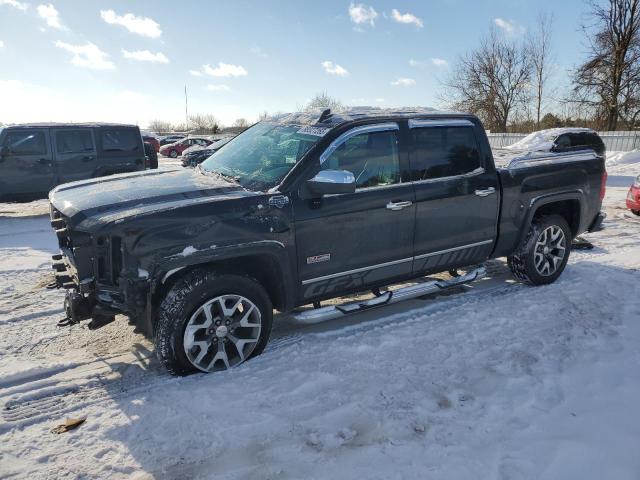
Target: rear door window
(440, 152)
(31, 142)
(120, 140)
(74, 141)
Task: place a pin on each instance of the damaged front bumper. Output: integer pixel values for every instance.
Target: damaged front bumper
(91, 270)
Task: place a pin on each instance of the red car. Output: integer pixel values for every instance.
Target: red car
(174, 150)
(633, 197)
(153, 141)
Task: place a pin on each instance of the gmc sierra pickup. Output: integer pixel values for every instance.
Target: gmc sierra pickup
(306, 207)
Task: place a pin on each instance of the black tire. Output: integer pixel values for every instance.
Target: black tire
(522, 263)
(186, 296)
(173, 154)
(635, 212)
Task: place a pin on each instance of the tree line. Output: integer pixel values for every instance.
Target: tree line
(506, 82)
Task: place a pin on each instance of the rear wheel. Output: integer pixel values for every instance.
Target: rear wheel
(211, 322)
(635, 212)
(544, 253)
(173, 154)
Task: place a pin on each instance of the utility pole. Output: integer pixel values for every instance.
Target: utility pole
(186, 109)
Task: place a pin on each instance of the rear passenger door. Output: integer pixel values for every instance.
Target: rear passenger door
(26, 166)
(120, 150)
(456, 195)
(75, 154)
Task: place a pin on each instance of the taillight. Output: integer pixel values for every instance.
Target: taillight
(603, 185)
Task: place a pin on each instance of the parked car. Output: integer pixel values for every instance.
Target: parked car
(174, 150)
(299, 209)
(153, 141)
(561, 140)
(171, 139)
(34, 158)
(197, 154)
(633, 197)
(151, 155)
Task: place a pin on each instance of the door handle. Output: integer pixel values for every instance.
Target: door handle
(43, 160)
(87, 158)
(398, 205)
(485, 192)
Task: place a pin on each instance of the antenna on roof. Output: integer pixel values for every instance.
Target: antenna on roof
(324, 115)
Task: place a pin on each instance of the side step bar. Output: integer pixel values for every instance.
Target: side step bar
(387, 298)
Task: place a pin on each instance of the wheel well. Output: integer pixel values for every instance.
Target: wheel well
(569, 209)
(265, 269)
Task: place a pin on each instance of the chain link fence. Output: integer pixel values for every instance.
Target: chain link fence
(614, 141)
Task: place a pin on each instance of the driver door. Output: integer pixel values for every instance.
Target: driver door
(350, 241)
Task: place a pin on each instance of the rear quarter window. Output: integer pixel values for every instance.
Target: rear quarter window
(120, 140)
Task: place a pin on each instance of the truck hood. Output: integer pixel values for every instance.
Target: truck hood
(107, 199)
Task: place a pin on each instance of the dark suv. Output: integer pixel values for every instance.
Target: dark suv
(35, 158)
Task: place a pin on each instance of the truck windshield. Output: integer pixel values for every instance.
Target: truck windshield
(260, 157)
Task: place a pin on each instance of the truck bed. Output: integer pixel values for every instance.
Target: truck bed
(512, 159)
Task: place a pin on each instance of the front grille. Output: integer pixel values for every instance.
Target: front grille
(98, 258)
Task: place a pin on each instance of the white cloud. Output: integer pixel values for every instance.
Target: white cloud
(50, 15)
(145, 56)
(225, 70)
(334, 69)
(218, 88)
(439, 62)
(87, 56)
(379, 100)
(15, 4)
(407, 18)
(415, 63)
(195, 73)
(361, 14)
(509, 26)
(403, 82)
(144, 26)
(1, 44)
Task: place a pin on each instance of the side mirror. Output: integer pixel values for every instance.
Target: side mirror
(328, 182)
(3, 152)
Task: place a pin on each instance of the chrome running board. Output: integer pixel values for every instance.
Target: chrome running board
(387, 298)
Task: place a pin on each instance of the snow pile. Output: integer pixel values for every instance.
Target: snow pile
(542, 140)
(623, 158)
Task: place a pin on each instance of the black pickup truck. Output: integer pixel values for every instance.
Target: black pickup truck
(306, 207)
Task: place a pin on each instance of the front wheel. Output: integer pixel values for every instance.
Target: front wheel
(173, 154)
(544, 253)
(636, 212)
(210, 322)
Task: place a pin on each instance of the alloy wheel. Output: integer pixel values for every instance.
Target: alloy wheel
(550, 250)
(222, 333)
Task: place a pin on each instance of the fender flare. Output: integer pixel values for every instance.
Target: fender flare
(277, 251)
(546, 199)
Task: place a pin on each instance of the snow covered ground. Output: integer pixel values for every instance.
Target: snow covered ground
(498, 381)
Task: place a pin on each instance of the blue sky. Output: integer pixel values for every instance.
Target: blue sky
(69, 60)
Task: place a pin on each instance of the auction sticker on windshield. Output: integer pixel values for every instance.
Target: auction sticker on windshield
(316, 131)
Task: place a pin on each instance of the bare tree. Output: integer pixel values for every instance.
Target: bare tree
(160, 126)
(203, 123)
(323, 100)
(609, 80)
(539, 47)
(491, 81)
(241, 123)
